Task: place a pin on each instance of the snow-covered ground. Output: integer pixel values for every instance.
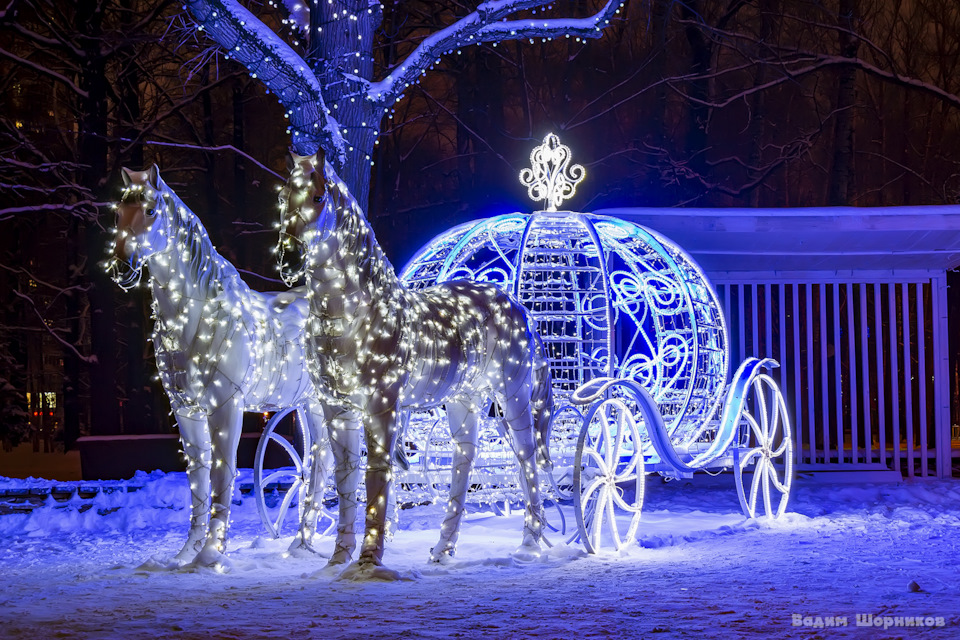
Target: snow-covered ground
(700, 570)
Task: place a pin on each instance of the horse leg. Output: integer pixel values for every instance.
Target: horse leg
(195, 438)
(321, 465)
(225, 426)
(345, 443)
(381, 432)
(518, 417)
(400, 459)
(464, 420)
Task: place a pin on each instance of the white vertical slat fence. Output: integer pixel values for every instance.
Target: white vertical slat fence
(864, 366)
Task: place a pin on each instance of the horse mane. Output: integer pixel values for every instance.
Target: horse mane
(360, 241)
(207, 268)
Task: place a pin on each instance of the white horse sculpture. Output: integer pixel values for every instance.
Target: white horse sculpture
(221, 349)
(376, 348)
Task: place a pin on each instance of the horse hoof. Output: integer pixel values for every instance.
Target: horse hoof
(444, 556)
(368, 571)
(212, 558)
(188, 554)
(183, 559)
(303, 550)
(339, 558)
(527, 552)
(161, 564)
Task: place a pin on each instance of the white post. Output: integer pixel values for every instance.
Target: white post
(922, 375)
(811, 409)
(941, 388)
(894, 373)
(865, 370)
(852, 363)
(797, 385)
(878, 331)
(907, 374)
(825, 376)
(837, 370)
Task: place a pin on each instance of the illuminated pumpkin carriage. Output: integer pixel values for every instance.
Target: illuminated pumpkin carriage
(639, 359)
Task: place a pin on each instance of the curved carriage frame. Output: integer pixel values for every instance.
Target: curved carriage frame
(639, 356)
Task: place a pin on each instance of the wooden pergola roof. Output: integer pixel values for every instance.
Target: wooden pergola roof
(882, 239)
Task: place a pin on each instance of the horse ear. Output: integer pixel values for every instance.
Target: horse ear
(292, 160)
(153, 175)
(126, 174)
(319, 182)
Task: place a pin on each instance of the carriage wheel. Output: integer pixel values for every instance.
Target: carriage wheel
(608, 476)
(565, 424)
(767, 446)
(278, 487)
(437, 460)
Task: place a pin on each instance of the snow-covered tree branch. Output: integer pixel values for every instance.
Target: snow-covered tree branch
(246, 39)
(487, 24)
(332, 98)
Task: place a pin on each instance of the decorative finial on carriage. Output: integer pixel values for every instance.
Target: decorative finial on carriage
(552, 178)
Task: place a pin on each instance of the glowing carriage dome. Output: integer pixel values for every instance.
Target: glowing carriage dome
(610, 298)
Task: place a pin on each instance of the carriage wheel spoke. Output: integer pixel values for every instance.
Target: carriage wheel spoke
(770, 430)
(754, 486)
(598, 515)
(747, 459)
(608, 457)
(775, 481)
(285, 505)
(280, 473)
(612, 519)
(288, 448)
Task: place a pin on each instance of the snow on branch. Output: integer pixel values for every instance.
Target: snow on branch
(45, 71)
(91, 359)
(487, 24)
(245, 38)
(85, 209)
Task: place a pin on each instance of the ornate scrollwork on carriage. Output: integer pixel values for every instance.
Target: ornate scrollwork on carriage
(617, 301)
(639, 357)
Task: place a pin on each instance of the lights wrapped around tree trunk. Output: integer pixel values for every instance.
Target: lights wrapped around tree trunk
(221, 349)
(376, 347)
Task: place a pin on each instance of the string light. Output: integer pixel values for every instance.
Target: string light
(344, 77)
(376, 347)
(221, 349)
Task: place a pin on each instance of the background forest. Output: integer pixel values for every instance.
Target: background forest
(719, 103)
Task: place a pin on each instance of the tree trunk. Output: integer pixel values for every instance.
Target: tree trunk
(698, 115)
(841, 175)
(340, 47)
(92, 131)
(138, 415)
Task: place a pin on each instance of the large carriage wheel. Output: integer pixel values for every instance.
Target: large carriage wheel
(280, 485)
(437, 459)
(767, 446)
(608, 475)
(565, 424)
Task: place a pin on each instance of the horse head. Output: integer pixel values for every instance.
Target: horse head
(307, 215)
(141, 230)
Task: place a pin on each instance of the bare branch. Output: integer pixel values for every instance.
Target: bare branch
(9, 212)
(244, 37)
(56, 288)
(9, 9)
(222, 147)
(486, 24)
(45, 71)
(91, 359)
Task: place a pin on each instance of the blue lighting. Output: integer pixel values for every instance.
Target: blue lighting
(610, 299)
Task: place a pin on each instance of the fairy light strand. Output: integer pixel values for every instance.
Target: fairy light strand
(221, 349)
(376, 348)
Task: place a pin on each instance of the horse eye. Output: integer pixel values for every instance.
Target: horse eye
(318, 199)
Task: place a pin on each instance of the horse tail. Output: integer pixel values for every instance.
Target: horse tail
(541, 400)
